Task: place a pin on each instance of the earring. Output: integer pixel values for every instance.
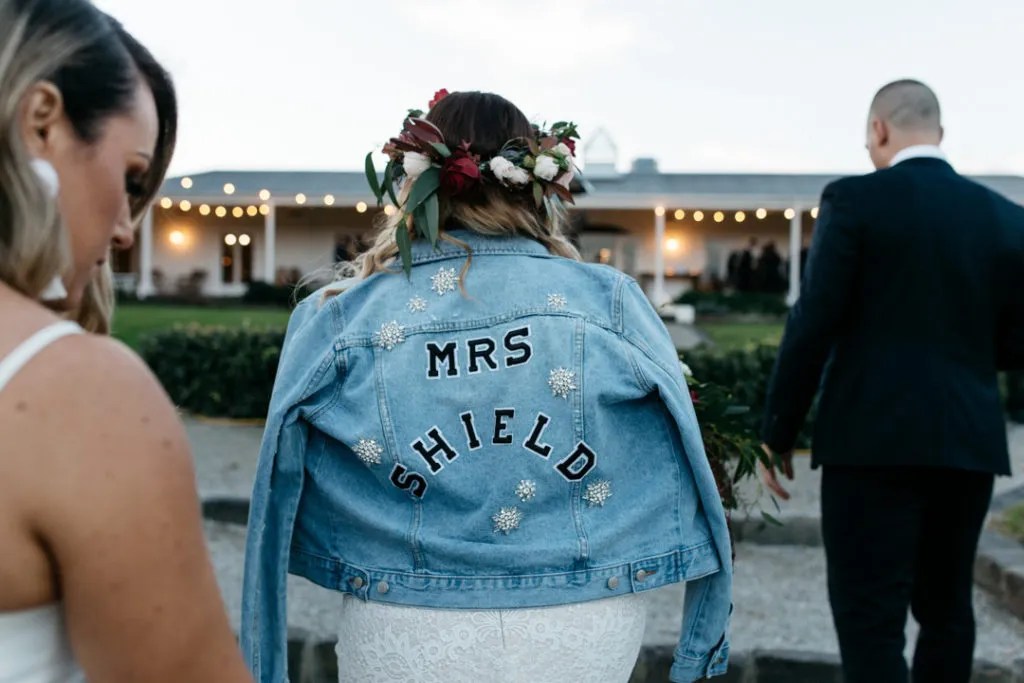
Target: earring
(47, 175)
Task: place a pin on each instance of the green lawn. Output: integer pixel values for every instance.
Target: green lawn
(729, 336)
(131, 322)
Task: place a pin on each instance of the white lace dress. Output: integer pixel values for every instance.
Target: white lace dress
(591, 642)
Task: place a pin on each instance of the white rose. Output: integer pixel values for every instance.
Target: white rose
(415, 164)
(501, 167)
(687, 372)
(564, 150)
(518, 176)
(546, 168)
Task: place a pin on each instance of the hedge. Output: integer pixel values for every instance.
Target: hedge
(216, 371)
(739, 303)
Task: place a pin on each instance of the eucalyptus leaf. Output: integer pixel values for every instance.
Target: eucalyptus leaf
(389, 181)
(538, 194)
(404, 246)
(441, 149)
(427, 184)
(431, 212)
(371, 177)
(771, 520)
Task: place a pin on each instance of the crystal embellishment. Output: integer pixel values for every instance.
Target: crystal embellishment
(417, 304)
(507, 520)
(369, 451)
(598, 493)
(557, 301)
(526, 490)
(444, 281)
(389, 336)
(562, 381)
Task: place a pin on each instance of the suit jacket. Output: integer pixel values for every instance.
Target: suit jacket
(912, 301)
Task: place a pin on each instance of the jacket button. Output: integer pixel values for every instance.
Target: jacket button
(383, 587)
(358, 582)
(641, 575)
(613, 582)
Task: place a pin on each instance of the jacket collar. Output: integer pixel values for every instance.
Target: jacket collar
(422, 252)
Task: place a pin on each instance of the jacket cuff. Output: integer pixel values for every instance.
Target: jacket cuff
(688, 670)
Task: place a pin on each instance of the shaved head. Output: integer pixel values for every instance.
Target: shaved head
(908, 105)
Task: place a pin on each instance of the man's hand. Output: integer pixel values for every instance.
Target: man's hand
(768, 475)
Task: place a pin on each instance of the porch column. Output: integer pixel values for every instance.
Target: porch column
(270, 245)
(145, 287)
(796, 241)
(659, 256)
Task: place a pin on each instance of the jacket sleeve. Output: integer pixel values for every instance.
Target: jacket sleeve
(703, 649)
(307, 360)
(1010, 330)
(832, 266)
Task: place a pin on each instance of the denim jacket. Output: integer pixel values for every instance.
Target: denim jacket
(529, 441)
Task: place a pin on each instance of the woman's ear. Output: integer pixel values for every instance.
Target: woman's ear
(43, 109)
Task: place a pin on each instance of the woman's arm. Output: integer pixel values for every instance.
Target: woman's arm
(119, 513)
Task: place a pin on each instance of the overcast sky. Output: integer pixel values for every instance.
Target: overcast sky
(701, 85)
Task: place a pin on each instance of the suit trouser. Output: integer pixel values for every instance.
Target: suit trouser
(899, 537)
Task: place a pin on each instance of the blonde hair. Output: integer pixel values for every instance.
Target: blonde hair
(97, 66)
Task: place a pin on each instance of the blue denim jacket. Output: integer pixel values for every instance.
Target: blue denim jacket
(527, 442)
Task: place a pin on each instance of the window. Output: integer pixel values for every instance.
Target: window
(236, 258)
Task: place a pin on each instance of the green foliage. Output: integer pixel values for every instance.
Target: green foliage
(133, 322)
(266, 294)
(739, 303)
(216, 371)
(744, 373)
(1012, 521)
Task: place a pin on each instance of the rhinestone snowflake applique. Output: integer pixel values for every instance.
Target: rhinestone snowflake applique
(417, 304)
(507, 520)
(526, 490)
(597, 493)
(369, 451)
(390, 335)
(444, 281)
(562, 381)
(557, 301)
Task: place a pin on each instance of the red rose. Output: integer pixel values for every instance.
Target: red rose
(458, 174)
(571, 144)
(438, 96)
(694, 396)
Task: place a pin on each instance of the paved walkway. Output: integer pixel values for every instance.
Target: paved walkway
(780, 593)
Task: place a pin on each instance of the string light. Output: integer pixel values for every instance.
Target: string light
(659, 211)
(229, 188)
(790, 214)
(361, 207)
(186, 183)
(329, 200)
(264, 195)
(166, 202)
(230, 240)
(389, 210)
(185, 205)
(221, 212)
(252, 211)
(300, 198)
(698, 216)
(204, 210)
(719, 216)
(814, 212)
(762, 214)
(740, 216)
(238, 212)
(244, 240)
(680, 214)
(265, 209)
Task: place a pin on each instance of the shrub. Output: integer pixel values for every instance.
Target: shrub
(215, 371)
(744, 374)
(266, 294)
(739, 303)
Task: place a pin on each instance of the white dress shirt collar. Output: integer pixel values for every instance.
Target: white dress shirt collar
(918, 152)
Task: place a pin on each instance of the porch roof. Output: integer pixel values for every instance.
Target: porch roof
(639, 190)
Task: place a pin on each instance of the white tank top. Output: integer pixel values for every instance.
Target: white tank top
(34, 644)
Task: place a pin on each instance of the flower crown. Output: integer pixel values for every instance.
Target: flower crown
(542, 164)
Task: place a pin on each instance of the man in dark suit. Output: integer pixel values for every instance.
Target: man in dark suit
(911, 303)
